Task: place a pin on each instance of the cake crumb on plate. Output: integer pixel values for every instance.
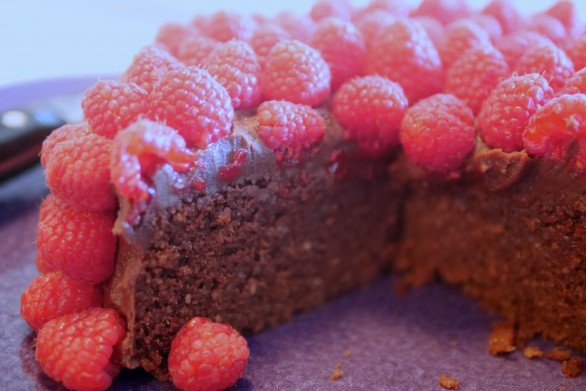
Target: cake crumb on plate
(501, 338)
(558, 354)
(573, 367)
(337, 373)
(448, 382)
(532, 352)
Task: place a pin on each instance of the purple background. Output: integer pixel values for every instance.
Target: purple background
(397, 343)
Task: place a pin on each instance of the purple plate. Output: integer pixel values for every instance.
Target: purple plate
(396, 343)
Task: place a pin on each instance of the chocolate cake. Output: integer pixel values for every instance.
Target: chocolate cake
(279, 174)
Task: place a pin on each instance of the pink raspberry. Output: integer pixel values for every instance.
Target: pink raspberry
(488, 23)
(371, 109)
(76, 349)
(195, 50)
(171, 35)
(291, 130)
(434, 29)
(558, 130)
(342, 47)
(201, 22)
(64, 133)
(147, 67)
(506, 13)
(437, 133)
(341, 9)
(459, 37)
(297, 73)
(224, 26)
(446, 11)
(473, 76)
(110, 106)
(575, 84)
(77, 171)
(265, 37)
(78, 243)
(207, 356)
(504, 115)
(54, 294)
(397, 8)
(549, 61)
(404, 53)
(191, 101)
(514, 45)
(568, 13)
(138, 150)
(372, 23)
(235, 66)
(548, 26)
(577, 52)
(299, 27)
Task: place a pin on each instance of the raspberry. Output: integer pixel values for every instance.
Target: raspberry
(299, 27)
(291, 130)
(224, 26)
(342, 46)
(434, 29)
(558, 130)
(321, 9)
(566, 12)
(505, 113)
(265, 37)
(488, 23)
(77, 172)
(372, 23)
(53, 295)
(404, 53)
(76, 349)
(110, 106)
(514, 45)
(446, 11)
(459, 37)
(64, 133)
(201, 22)
(193, 51)
(138, 150)
(576, 84)
(191, 101)
(577, 52)
(235, 66)
(371, 109)
(297, 73)
(43, 266)
(505, 12)
(78, 243)
(437, 133)
(549, 61)
(548, 26)
(473, 76)
(397, 8)
(207, 356)
(171, 35)
(147, 67)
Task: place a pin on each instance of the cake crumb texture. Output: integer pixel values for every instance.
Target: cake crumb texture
(448, 382)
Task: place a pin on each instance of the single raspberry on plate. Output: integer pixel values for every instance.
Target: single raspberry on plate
(147, 67)
(488, 23)
(397, 8)
(577, 52)
(504, 115)
(265, 37)
(42, 265)
(78, 243)
(297, 73)
(505, 12)
(235, 66)
(76, 349)
(77, 171)
(548, 26)
(110, 106)
(191, 101)
(437, 133)
(558, 130)
(514, 45)
(64, 133)
(460, 37)
(446, 11)
(568, 13)
(136, 153)
(171, 35)
(370, 109)
(549, 61)
(193, 51)
(292, 130)
(207, 356)
(372, 23)
(404, 54)
(342, 46)
(224, 26)
(474, 75)
(299, 27)
(575, 84)
(54, 294)
(321, 9)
